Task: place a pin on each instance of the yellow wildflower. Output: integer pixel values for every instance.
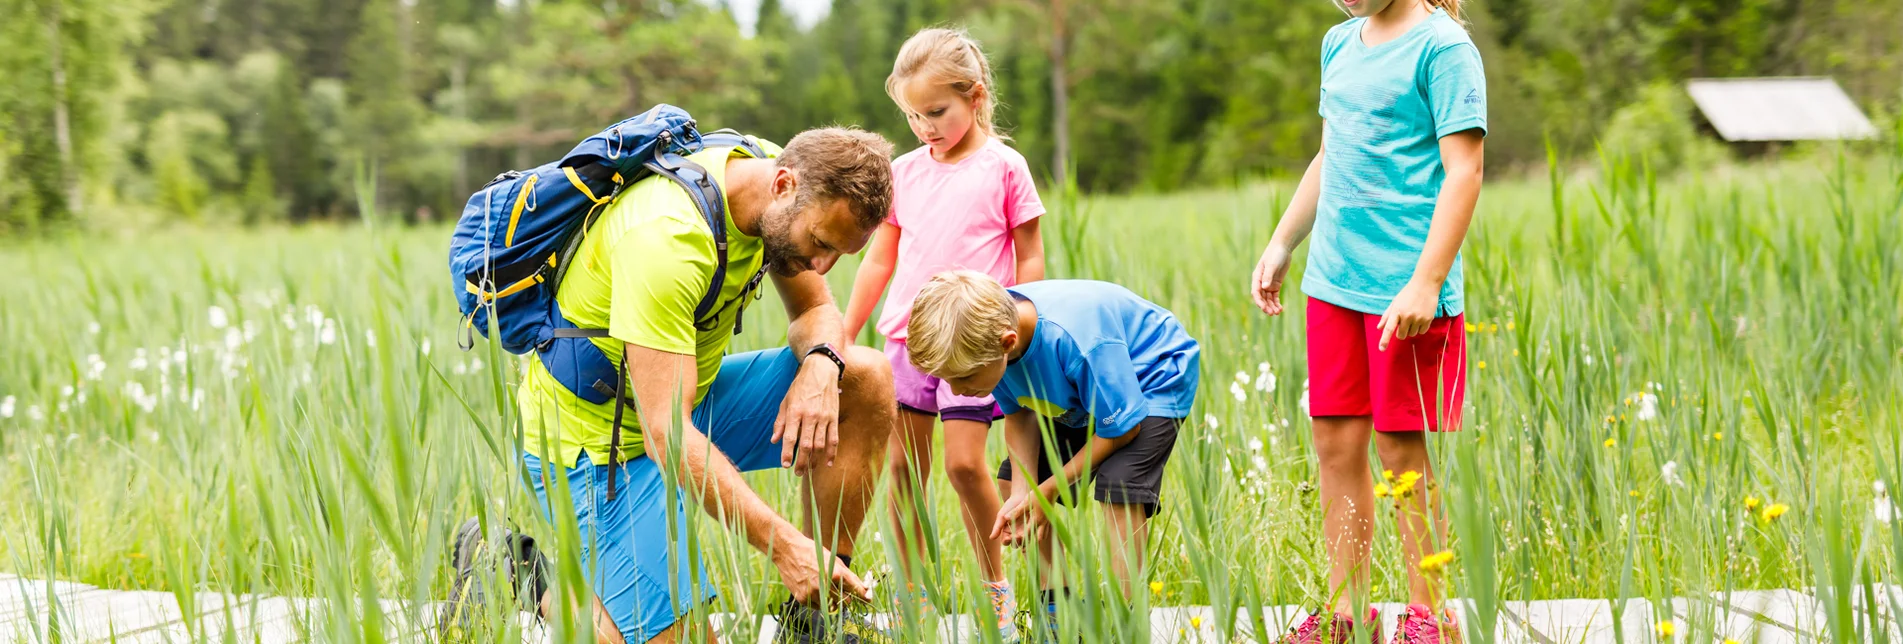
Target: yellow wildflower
(1196, 621)
(1717, 436)
(1404, 486)
(1516, 353)
(1509, 325)
(1470, 327)
(1751, 503)
(1494, 327)
(1732, 641)
(1775, 510)
(1481, 365)
(1156, 587)
(1387, 475)
(1664, 629)
(1435, 562)
(1634, 493)
(1381, 490)
(1610, 442)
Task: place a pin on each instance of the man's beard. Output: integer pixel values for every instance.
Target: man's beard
(780, 254)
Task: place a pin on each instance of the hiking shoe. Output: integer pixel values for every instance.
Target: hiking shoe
(1339, 630)
(802, 624)
(1417, 625)
(510, 556)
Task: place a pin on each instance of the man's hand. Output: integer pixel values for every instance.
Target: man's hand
(808, 425)
(1410, 313)
(799, 568)
(1266, 286)
(1019, 519)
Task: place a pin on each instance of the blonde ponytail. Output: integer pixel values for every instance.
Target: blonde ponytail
(951, 57)
(1452, 7)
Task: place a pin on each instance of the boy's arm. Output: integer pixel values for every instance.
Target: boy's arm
(1107, 381)
(1413, 310)
(1028, 244)
(1091, 456)
(873, 276)
(1022, 439)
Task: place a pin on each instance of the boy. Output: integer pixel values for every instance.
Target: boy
(1113, 374)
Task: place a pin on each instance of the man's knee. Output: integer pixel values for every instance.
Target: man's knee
(867, 369)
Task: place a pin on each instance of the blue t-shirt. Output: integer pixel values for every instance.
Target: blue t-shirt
(1100, 352)
(1385, 109)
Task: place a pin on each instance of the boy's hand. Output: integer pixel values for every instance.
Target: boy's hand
(1266, 286)
(1019, 519)
(1410, 313)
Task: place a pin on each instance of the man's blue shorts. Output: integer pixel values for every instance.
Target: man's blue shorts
(625, 549)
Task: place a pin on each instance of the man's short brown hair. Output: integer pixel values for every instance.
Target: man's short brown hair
(843, 163)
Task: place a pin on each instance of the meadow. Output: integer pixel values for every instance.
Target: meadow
(1680, 385)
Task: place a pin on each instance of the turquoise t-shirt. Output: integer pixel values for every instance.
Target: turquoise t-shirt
(1100, 353)
(1385, 109)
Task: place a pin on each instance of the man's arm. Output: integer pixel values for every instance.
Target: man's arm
(664, 385)
(807, 428)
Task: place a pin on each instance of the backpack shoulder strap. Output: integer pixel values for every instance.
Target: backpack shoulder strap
(712, 204)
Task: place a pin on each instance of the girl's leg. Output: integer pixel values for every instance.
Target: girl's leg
(1126, 525)
(977, 491)
(1404, 452)
(1347, 496)
(911, 456)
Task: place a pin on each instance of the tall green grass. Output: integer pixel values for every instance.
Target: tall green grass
(285, 412)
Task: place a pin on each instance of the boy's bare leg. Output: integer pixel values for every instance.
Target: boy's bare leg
(1126, 525)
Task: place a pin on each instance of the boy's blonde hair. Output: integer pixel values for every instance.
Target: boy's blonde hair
(951, 57)
(958, 320)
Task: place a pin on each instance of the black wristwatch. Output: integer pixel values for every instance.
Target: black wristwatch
(826, 349)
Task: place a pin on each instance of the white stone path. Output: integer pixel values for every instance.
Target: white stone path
(82, 613)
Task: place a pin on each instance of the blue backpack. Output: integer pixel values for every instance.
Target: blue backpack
(512, 245)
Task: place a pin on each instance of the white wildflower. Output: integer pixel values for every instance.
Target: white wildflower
(218, 318)
(139, 362)
(66, 391)
(1648, 406)
(426, 347)
(1303, 403)
(72, 437)
(1236, 389)
(1588, 359)
(1876, 486)
(1285, 422)
(198, 398)
(1243, 377)
(1255, 444)
(151, 436)
(80, 399)
(234, 339)
(95, 367)
(179, 357)
(250, 330)
(1884, 511)
(370, 338)
(1669, 473)
(6, 407)
(328, 334)
(475, 364)
(1260, 464)
(460, 369)
(34, 412)
(92, 328)
(1265, 382)
(1209, 420)
(313, 315)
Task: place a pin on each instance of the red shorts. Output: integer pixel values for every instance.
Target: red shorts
(1417, 384)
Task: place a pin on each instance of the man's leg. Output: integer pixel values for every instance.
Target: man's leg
(838, 496)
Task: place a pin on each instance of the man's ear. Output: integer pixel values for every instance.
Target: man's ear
(785, 182)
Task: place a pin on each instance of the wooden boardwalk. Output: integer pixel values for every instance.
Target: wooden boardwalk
(34, 610)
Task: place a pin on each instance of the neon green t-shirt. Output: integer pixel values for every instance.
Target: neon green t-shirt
(639, 272)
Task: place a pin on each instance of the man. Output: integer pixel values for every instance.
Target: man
(819, 406)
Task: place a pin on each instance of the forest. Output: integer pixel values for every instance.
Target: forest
(132, 113)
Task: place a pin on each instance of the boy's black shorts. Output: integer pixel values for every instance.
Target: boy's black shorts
(1132, 475)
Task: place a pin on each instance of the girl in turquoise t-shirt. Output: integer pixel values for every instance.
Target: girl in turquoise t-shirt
(1387, 201)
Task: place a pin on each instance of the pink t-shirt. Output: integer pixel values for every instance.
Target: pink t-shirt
(955, 215)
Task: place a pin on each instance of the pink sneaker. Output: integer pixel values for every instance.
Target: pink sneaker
(1418, 625)
(1340, 630)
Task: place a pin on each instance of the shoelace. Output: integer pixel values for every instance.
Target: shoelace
(1001, 605)
(1420, 630)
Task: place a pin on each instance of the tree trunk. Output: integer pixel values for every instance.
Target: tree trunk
(62, 120)
(1060, 96)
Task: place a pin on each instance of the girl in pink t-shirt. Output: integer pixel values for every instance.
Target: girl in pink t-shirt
(964, 200)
